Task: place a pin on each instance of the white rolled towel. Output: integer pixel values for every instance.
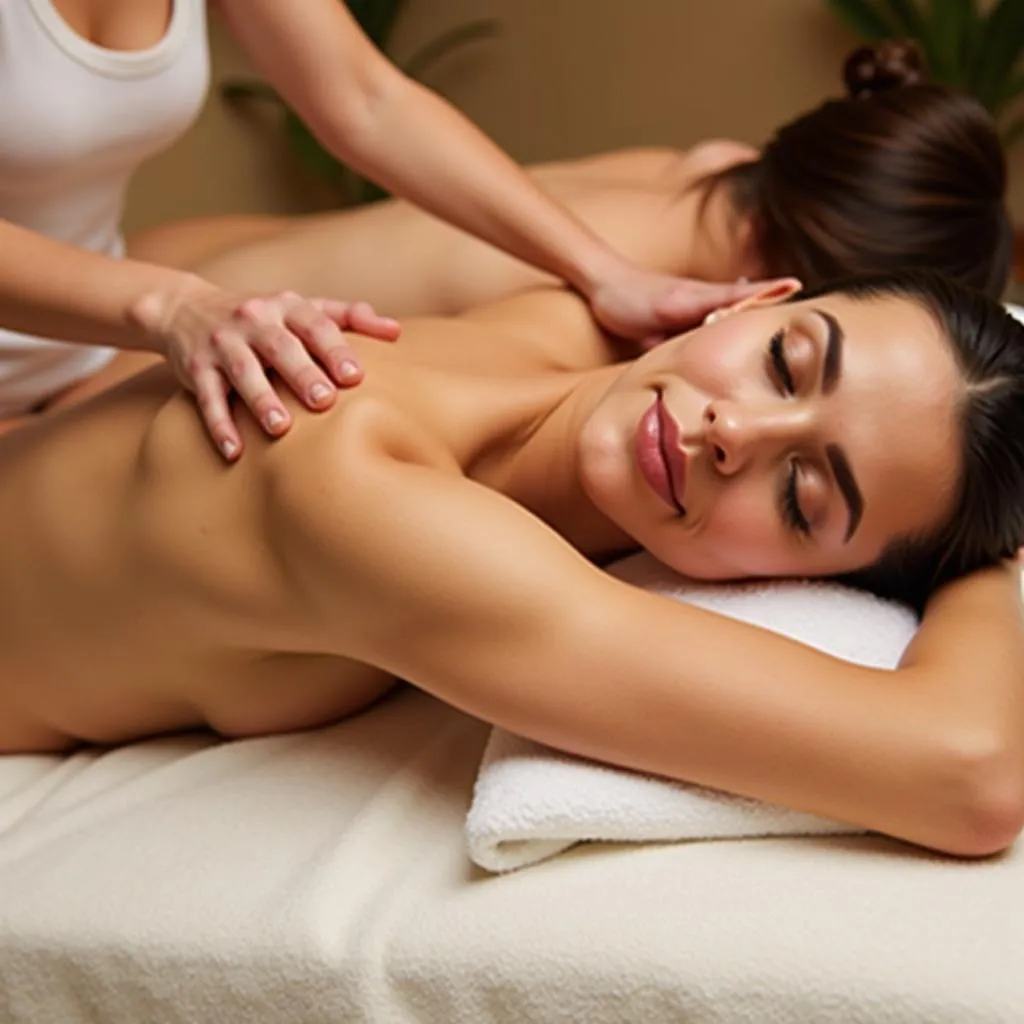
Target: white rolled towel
(531, 802)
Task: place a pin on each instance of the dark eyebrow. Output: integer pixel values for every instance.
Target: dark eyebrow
(833, 362)
(847, 487)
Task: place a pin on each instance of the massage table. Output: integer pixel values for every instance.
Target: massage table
(323, 877)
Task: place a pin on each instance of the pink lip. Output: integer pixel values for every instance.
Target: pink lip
(661, 459)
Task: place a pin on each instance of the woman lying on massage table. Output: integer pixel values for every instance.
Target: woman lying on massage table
(441, 523)
(897, 174)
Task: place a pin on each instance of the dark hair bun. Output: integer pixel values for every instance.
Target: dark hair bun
(890, 64)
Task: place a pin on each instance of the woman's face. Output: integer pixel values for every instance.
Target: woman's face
(783, 440)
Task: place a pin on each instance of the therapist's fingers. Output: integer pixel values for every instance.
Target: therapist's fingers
(211, 391)
(326, 341)
(362, 317)
(247, 375)
(285, 351)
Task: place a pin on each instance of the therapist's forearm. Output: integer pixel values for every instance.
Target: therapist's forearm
(417, 146)
(54, 290)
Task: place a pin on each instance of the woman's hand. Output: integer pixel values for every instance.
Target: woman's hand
(646, 306)
(217, 341)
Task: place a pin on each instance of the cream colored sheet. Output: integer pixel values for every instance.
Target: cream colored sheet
(323, 878)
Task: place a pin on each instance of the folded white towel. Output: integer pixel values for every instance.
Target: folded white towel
(531, 802)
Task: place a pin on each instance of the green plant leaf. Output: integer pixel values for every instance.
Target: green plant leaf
(953, 38)
(237, 90)
(867, 19)
(1001, 43)
(427, 56)
(906, 19)
(310, 152)
(376, 18)
(369, 192)
(939, 44)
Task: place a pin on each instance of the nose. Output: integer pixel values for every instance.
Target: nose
(738, 433)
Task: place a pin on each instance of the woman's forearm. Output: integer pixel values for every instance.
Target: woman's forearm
(54, 290)
(416, 145)
(971, 645)
(933, 752)
(568, 656)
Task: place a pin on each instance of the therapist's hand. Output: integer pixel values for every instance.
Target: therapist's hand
(218, 341)
(646, 306)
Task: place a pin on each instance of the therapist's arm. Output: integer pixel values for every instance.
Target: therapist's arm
(51, 289)
(214, 339)
(416, 145)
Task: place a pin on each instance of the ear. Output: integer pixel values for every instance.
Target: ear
(771, 294)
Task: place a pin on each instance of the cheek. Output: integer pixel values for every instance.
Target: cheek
(738, 535)
(713, 364)
(744, 530)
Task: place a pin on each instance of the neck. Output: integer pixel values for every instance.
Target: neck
(728, 226)
(537, 466)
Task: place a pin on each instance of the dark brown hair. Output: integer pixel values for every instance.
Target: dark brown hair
(900, 174)
(986, 522)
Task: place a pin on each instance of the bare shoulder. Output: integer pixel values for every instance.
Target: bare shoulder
(541, 330)
(713, 155)
(635, 165)
(368, 428)
(677, 167)
(390, 546)
(649, 166)
(548, 329)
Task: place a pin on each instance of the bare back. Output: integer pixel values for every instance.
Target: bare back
(643, 202)
(144, 590)
(149, 587)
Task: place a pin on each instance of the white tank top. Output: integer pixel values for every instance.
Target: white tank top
(76, 120)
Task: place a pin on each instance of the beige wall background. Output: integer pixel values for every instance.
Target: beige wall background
(564, 78)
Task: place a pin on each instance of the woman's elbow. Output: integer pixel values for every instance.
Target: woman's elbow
(986, 814)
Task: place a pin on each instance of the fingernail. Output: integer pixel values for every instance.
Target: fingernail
(273, 419)
(319, 393)
(228, 448)
(348, 369)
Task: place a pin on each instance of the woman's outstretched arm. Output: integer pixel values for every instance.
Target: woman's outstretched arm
(465, 594)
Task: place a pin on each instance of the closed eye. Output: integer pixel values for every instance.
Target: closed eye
(779, 364)
(791, 511)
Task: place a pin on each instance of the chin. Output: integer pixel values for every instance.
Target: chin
(693, 560)
(604, 466)
(692, 568)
